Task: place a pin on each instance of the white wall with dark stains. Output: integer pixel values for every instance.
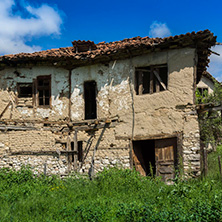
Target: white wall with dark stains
(59, 92)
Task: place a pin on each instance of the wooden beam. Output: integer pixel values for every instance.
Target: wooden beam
(140, 83)
(5, 109)
(44, 152)
(75, 149)
(151, 81)
(68, 148)
(19, 128)
(159, 79)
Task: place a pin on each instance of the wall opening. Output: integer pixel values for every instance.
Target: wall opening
(24, 90)
(157, 157)
(44, 90)
(90, 93)
(80, 151)
(151, 79)
(144, 157)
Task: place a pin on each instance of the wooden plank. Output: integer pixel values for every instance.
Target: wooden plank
(205, 164)
(151, 81)
(130, 153)
(43, 152)
(91, 169)
(219, 164)
(5, 109)
(165, 158)
(75, 149)
(140, 83)
(137, 163)
(143, 70)
(159, 79)
(68, 148)
(19, 128)
(157, 86)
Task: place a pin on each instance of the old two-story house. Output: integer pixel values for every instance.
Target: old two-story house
(128, 103)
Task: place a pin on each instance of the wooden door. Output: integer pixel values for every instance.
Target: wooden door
(139, 161)
(165, 157)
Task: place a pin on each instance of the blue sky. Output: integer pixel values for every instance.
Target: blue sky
(27, 25)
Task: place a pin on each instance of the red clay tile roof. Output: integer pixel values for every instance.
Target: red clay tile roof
(70, 57)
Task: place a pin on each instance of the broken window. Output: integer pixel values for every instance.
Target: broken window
(151, 79)
(90, 92)
(24, 90)
(43, 90)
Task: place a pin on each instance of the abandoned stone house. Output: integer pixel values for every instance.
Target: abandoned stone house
(129, 103)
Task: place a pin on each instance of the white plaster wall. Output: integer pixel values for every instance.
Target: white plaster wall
(206, 83)
(59, 92)
(153, 113)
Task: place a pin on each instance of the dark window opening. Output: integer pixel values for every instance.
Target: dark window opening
(80, 151)
(151, 79)
(90, 100)
(203, 91)
(24, 90)
(44, 90)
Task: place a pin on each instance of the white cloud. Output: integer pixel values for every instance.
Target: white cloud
(158, 29)
(15, 30)
(215, 65)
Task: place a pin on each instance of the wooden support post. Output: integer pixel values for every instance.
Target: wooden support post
(219, 164)
(45, 168)
(151, 81)
(75, 149)
(159, 79)
(68, 155)
(5, 109)
(140, 83)
(91, 170)
(205, 165)
(131, 153)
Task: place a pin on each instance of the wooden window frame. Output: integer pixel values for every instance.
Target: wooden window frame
(38, 88)
(148, 79)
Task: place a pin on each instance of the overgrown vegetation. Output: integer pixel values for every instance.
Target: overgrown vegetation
(114, 195)
(210, 122)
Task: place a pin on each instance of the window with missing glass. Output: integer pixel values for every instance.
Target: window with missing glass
(151, 79)
(43, 90)
(24, 90)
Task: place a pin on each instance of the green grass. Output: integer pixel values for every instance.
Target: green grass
(114, 195)
(213, 166)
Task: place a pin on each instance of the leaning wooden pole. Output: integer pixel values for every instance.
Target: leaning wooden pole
(76, 150)
(91, 170)
(205, 162)
(219, 164)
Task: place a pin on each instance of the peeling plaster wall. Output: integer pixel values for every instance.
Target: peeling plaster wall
(59, 92)
(140, 116)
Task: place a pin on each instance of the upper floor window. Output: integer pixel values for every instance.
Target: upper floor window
(43, 90)
(24, 90)
(151, 79)
(25, 94)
